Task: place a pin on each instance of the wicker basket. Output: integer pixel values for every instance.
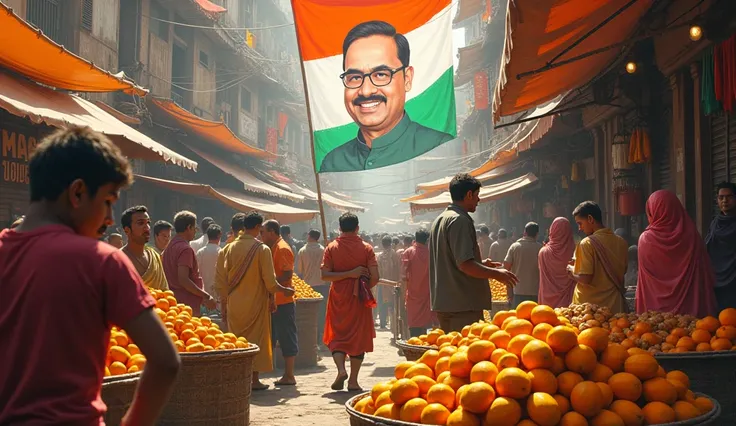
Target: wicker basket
(117, 394)
(213, 388)
(360, 419)
(713, 373)
(413, 352)
(307, 311)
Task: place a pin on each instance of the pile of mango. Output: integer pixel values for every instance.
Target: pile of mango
(498, 291)
(302, 290)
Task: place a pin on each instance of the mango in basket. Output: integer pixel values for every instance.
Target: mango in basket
(302, 290)
(189, 334)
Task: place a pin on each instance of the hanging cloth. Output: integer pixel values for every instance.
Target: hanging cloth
(708, 101)
(724, 61)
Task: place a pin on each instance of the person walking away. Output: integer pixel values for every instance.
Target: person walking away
(136, 224)
(294, 244)
(721, 244)
(283, 313)
(201, 242)
(389, 267)
(415, 277)
(115, 240)
(600, 261)
(161, 235)
(309, 266)
(499, 248)
(555, 285)
(207, 258)
(245, 280)
(523, 260)
(458, 276)
(181, 267)
(350, 265)
(237, 226)
(674, 269)
(62, 290)
(485, 242)
(632, 269)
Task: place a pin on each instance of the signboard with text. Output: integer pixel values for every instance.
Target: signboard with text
(16, 147)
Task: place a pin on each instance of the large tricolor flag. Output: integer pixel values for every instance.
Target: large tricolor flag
(369, 106)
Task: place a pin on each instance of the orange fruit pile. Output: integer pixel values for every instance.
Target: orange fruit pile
(666, 332)
(498, 291)
(302, 290)
(529, 366)
(190, 334)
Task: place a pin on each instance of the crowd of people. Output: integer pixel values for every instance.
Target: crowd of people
(62, 283)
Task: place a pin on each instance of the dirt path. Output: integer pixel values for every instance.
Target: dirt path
(312, 402)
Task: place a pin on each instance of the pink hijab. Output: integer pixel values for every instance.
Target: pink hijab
(555, 286)
(675, 274)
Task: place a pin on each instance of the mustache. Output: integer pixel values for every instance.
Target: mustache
(372, 98)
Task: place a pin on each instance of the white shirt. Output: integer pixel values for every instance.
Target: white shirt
(310, 263)
(199, 242)
(207, 261)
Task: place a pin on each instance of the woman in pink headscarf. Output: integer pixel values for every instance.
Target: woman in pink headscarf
(555, 285)
(675, 274)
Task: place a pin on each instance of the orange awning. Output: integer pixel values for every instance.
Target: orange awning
(470, 61)
(125, 118)
(467, 9)
(538, 31)
(26, 50)
(331, 200)
(39, 104)
(210, 7)
(215, 132)
(250, 182)
(235, 199)
(487, 193)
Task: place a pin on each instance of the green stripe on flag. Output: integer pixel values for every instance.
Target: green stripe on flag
(434, 108)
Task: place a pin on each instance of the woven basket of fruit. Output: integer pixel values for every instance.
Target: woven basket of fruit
(413, 352)
(213, 388)
(117, 394)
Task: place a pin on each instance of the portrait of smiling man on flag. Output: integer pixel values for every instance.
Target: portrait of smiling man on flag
(378, 78)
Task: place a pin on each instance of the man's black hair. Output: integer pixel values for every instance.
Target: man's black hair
(285, 231)
(126, 220)
(272, 225)
(502, 234)
(237, 222)
(214, 232)
(183, 220)
(205, 223)
(252, 219)
(484, 230)
(314, 234)
(348, 222)
(75, 153)
(422, 236)
(161, 225)
(461, 184)
(395, 241)
(386, 242)
(408, 239)
(532, 229)
(372, 28)
(588, 208)
(726, 185)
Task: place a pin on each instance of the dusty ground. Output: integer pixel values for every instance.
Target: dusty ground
(312, 402)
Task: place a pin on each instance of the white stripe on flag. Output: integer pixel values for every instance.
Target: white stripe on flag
(433, 40)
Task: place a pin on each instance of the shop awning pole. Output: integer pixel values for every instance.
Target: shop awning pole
(325, 236)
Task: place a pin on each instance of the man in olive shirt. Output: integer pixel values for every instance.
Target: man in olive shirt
(523, 260)
(458, 275)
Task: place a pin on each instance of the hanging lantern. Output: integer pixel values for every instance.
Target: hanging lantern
(620, 152)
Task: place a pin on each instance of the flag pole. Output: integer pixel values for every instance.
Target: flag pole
(311, 130)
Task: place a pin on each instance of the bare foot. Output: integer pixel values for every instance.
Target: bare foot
(285, 381)
(339, 383)
(257, 386)
(354, 387)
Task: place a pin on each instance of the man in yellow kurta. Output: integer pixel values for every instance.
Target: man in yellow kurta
(244, 280)
(600, 261)
(137, 227)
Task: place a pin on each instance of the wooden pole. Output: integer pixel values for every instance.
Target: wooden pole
(311, 131)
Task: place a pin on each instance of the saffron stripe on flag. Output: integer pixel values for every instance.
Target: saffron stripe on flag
(323, 24)
(422, 109)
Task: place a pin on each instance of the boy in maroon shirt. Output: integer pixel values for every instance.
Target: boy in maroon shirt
(61, 290)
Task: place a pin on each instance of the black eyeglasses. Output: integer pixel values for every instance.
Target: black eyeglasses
(379, 78)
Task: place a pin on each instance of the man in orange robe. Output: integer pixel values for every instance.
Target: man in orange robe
(349, 329)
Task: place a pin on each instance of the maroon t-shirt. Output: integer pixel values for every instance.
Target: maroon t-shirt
(59, 295)
(180, 253)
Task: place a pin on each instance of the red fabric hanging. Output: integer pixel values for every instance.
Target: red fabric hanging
(724, 61)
